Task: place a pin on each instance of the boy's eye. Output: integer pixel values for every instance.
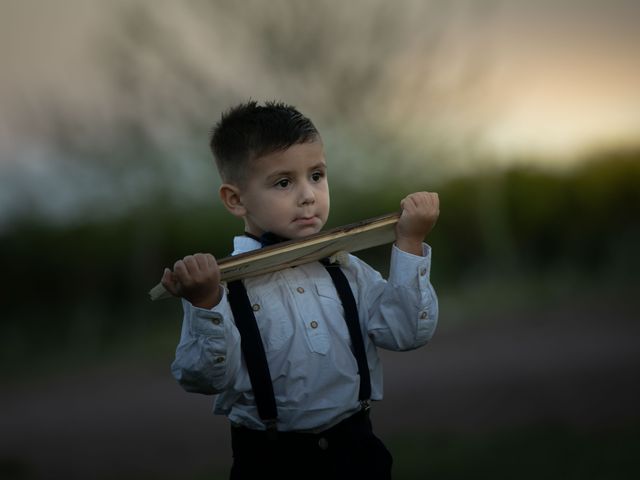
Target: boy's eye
(284, 183)
(316, 176)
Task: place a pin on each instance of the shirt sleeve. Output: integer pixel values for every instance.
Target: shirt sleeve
(208, 355)
(403, 310)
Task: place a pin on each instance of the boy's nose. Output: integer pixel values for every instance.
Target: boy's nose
(307, 195)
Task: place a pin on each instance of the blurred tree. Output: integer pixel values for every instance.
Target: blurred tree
(86, 284)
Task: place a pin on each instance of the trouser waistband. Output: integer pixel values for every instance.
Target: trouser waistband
(355, 424)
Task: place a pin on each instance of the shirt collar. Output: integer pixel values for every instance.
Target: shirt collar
(243, 244)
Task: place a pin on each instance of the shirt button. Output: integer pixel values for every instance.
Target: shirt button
(423, 271)
(423, 315)
(216, 321)
(255, 307)
(300, 290)
(323, 443)
(219, 359)
(314, 324)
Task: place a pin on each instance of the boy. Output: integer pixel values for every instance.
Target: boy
(292, 354)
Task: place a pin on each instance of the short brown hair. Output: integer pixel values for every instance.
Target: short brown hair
(248, 131)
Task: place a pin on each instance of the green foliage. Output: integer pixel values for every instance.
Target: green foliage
(85, 286)
(527, 219)
(588, 218)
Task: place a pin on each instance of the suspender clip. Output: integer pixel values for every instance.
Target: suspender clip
(272, 428)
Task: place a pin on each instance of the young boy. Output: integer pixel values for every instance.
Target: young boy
(292, 354)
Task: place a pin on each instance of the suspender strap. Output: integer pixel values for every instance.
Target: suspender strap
(253, 352)
(353, 324)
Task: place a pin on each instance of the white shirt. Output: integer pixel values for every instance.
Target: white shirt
(306, 340)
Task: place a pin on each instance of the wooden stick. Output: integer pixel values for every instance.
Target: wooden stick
(348, 238)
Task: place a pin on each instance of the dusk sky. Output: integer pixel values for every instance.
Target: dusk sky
(508, 79)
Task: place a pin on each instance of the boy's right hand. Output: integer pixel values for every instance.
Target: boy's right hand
(196, 278)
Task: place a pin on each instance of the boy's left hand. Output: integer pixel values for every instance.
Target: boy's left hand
(420, 211)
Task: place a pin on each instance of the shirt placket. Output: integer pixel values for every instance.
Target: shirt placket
(309, 315)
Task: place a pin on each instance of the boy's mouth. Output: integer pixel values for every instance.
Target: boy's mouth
(305, 220)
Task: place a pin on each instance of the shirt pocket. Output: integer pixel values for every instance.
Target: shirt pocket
(273, 319)
(328, 292)
(329, 300)
(332, 309)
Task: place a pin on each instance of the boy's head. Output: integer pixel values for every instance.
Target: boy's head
(271, 161)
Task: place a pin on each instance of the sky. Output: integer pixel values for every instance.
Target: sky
(81, 80)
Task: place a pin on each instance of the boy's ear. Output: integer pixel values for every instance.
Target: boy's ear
(230, 196)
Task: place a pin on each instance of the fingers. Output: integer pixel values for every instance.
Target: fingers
(193, 265)
(188, 271)
(195, 278)
(421, 202)
(420, 211)
(181, 271)
(170, 283)
(205, 261)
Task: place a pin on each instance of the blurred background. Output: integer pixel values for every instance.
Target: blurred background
(524, 116)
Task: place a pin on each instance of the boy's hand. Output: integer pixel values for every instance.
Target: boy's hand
(196, 278)
(420, 211)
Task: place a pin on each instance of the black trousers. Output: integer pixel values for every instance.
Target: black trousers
(349, 450)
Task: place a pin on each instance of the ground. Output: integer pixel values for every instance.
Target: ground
(573, 364)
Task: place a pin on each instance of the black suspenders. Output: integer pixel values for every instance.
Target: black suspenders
(253, 348)
(353, 324)
(253, 352)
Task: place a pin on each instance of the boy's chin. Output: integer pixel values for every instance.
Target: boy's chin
(304, 232)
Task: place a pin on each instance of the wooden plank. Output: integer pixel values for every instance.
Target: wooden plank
(348, 238)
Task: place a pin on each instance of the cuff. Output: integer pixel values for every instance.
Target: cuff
(208, 322)
(404, 267)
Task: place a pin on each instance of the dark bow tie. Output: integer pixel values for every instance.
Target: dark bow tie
(267, 238)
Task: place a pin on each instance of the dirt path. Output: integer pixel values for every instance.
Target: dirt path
(571, 364)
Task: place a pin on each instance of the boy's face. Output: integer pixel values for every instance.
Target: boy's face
(287, 192)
